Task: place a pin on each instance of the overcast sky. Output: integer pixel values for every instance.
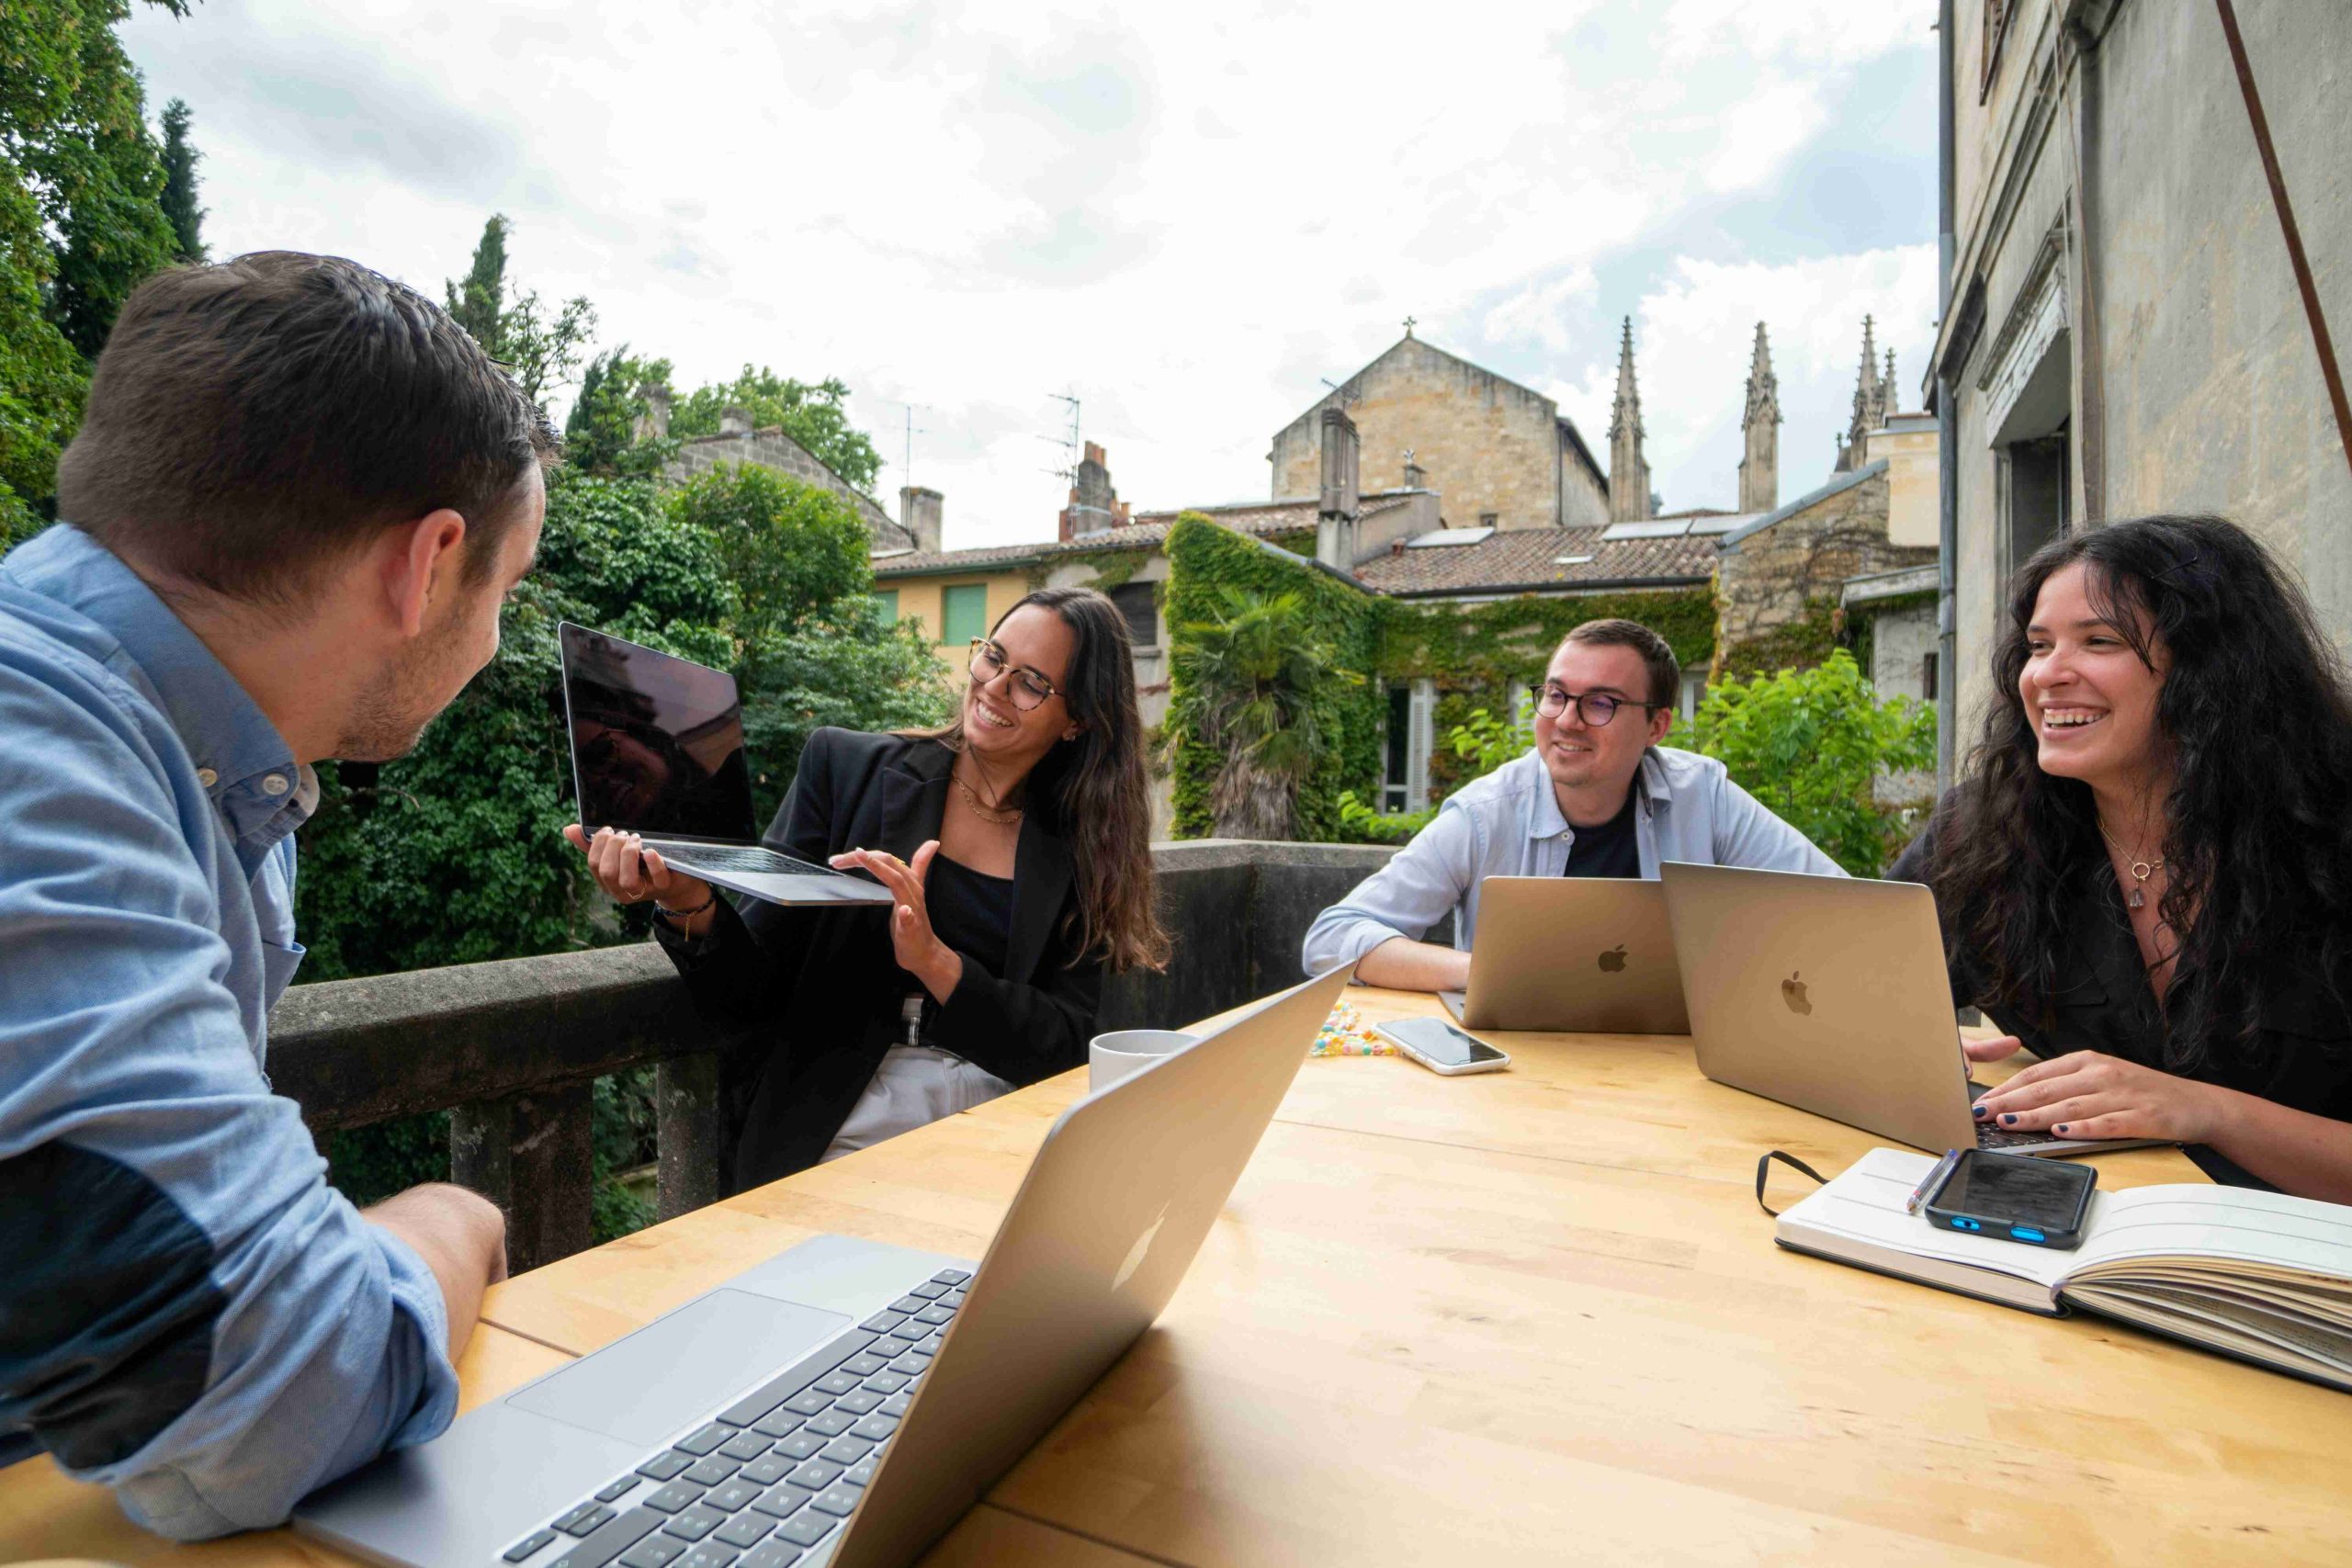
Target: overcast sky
(1186, 216)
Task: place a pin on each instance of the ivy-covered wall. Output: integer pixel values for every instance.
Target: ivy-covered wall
(1203, 557)
(1476, 653)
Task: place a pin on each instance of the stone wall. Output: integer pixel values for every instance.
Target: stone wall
(1765, 580)
(1486, 445)
(771, 449)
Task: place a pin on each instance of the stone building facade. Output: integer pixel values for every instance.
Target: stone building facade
(738, 443)
(2123, 330)
(1503, 455)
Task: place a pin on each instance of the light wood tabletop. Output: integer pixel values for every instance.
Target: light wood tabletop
(1529, 1316)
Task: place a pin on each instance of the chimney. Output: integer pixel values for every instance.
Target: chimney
(653, 424)
(1094, 503)
(1335, 522)
(734, 422)
(919, 513)
(1416, 478)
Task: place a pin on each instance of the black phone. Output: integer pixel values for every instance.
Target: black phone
(2015, 1198)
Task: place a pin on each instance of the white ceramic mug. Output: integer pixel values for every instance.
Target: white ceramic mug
(1126, 1052)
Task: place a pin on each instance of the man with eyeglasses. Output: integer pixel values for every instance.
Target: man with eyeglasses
(1597, 796)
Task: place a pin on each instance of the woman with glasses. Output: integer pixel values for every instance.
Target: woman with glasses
(1597, 796)
(2145, 872)
(1017, 842)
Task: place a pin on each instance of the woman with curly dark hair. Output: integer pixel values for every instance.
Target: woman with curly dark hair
(1017, 841)
(2146, 871)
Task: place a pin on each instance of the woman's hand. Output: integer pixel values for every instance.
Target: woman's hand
(2087, 1094)
(912, 942)
(631, 873)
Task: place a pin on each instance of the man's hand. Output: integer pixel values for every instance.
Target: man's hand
(461, 1236)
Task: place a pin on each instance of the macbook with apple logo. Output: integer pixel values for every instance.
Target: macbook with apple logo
(1829, 993)
(1572, 956)
(845, 1401)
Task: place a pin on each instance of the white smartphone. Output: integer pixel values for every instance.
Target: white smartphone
(1441, 1048)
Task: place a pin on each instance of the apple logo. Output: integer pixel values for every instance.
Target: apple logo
(1614, 963)
(1792, 993)
(1143, 1245)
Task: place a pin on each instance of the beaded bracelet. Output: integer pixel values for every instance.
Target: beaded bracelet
(1344, 1034)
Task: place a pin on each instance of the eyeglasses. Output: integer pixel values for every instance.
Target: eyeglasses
(1595, 708)
(1029, 688)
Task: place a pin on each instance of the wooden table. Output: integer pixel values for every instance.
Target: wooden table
(1531, 1316)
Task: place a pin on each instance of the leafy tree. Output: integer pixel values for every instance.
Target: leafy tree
(180, 158)
(1813, 745)
(540, 350)
(790, 549)
(1255, 663)
(81, 223)
(601, 435)
(810, 414)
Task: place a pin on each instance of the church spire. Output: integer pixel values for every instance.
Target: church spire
(1890, 402)
(1629, 475)
(1869, 404)
(1760, 468)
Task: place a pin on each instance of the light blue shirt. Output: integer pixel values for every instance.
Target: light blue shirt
(188, 1314)
(1510, 824)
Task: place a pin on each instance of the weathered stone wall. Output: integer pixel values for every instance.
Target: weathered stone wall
(1486, 445)
(1765, 580)
(771, 449)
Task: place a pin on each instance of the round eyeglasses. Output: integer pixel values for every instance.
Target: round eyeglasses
(1595, 708)
(1029, 688)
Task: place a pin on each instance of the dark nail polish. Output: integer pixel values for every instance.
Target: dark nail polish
(1978, 1111)
(2059, 1128)
(2008, 1118)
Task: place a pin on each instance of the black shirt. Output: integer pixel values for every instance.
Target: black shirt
(969, 912)
(1610, 850)
(2301, 1056)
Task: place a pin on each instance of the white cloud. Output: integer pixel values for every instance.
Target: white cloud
(1188, 216)
(1693, 336)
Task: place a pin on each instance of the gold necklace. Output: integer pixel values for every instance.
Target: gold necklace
(2141, 871)
(996, 816)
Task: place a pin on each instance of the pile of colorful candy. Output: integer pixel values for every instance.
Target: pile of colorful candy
(1345, 1033)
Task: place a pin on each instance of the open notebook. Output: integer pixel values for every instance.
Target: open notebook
(2256, 1275)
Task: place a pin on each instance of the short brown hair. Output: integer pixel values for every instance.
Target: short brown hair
(250, 422)
(1666, 670)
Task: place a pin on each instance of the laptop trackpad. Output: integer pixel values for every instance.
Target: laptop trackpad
(646, 1387)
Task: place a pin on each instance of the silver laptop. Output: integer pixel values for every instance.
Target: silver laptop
(657, 750)
(846, 1401)
(1830, 994)
(1572, 954)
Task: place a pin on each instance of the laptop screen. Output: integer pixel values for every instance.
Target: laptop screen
(657, 742)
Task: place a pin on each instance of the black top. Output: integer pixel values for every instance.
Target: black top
(971, 912)
(2301, 1053)
(1610, 850)
(807, 1000)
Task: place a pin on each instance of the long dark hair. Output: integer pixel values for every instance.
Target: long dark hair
(2257, 845)
(1098, 786)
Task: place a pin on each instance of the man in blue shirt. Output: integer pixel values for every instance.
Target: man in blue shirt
(297, 498)
(1597, 796)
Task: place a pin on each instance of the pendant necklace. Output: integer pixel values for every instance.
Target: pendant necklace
(996, 816)
(2141, 870)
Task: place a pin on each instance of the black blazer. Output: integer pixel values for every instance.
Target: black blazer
(809, 998)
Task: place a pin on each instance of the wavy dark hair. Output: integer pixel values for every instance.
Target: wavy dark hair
(2257, 844)
(1098, 786)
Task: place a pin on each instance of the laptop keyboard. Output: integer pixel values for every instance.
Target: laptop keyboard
(770, 1477)
(739, 857)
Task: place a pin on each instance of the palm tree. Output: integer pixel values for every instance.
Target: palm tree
(1253, 668)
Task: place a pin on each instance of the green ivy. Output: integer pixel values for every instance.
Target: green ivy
(1801, 644)
(1204, 559)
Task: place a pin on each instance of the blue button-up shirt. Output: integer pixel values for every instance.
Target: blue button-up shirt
(188, 1314)
(1510, 824)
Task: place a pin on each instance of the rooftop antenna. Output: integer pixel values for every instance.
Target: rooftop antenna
(907, 471)
(1069, 443)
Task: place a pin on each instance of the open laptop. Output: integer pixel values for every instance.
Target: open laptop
(1830, 994)
(1572, 954)
(845, 1401)
(657, 750)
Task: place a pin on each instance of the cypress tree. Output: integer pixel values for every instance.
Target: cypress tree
(478, 304)
(180, 158)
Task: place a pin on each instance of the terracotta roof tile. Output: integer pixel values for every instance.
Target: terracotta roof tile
(1530, 558)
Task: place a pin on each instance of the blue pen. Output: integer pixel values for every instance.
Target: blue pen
(1927, 1188)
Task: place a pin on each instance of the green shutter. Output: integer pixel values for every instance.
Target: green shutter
(886, 605)
(966, 611)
